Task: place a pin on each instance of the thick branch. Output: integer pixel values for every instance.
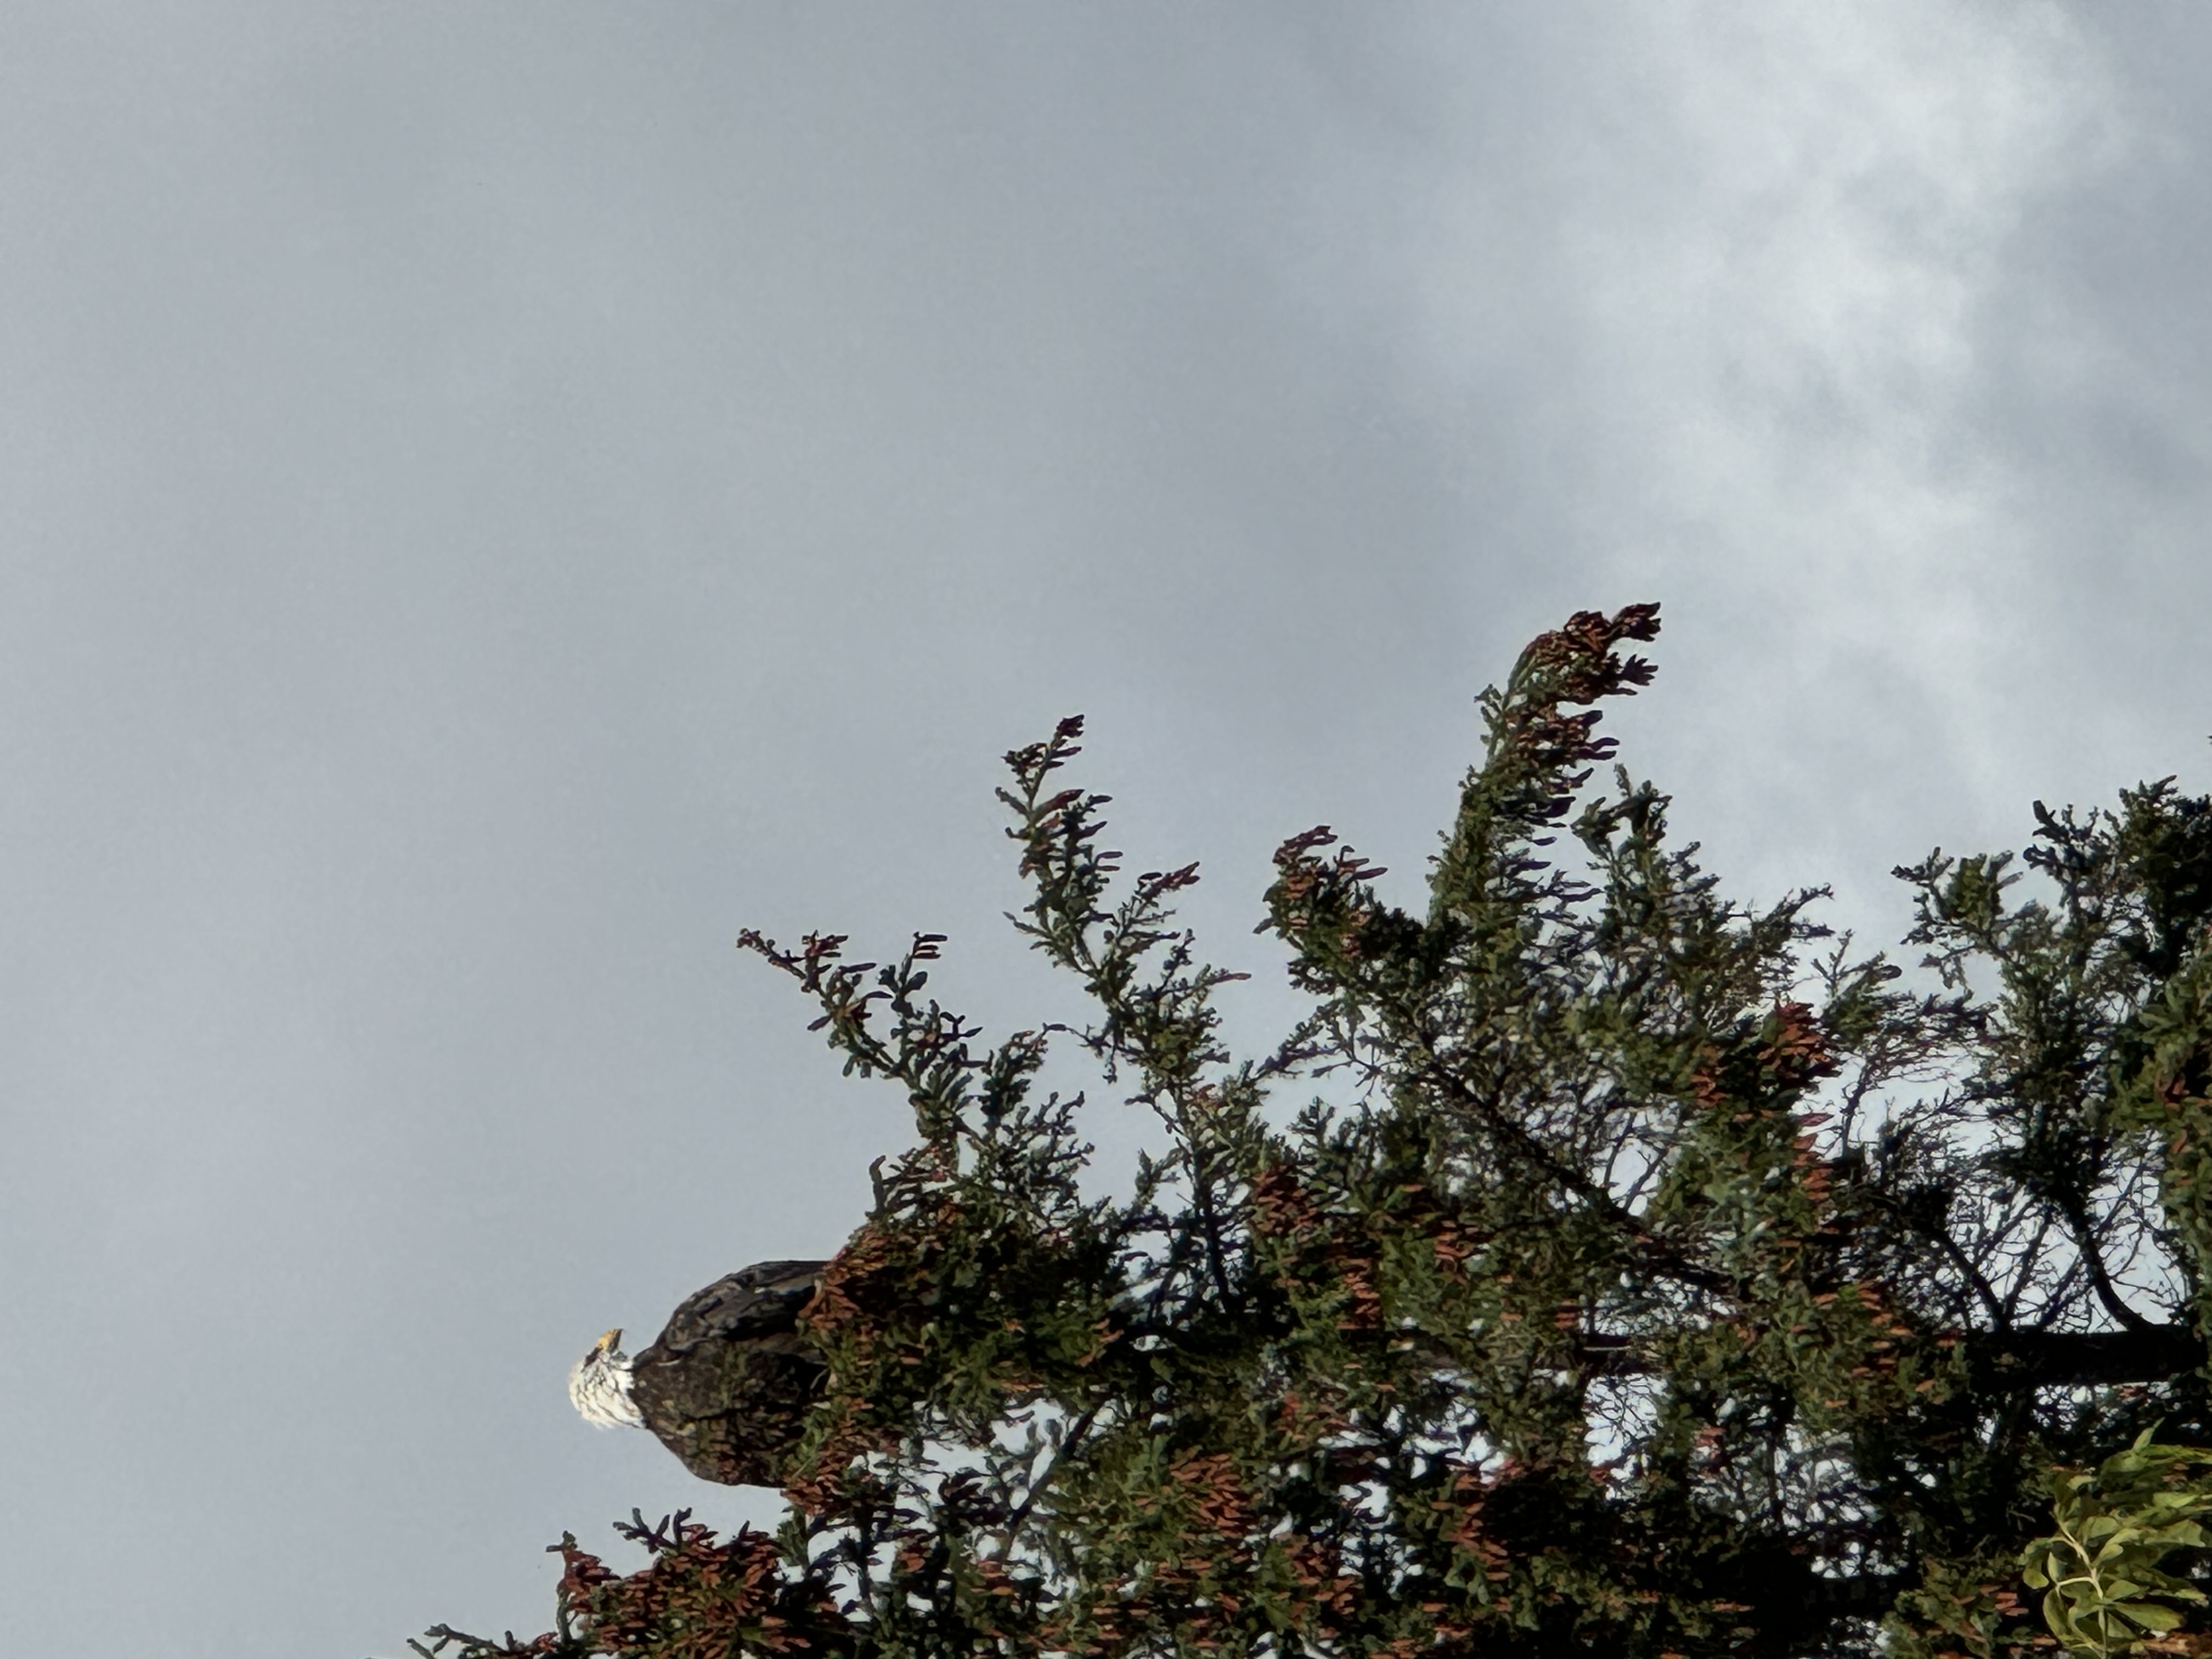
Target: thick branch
(2001, 1360)
(2150, 1354)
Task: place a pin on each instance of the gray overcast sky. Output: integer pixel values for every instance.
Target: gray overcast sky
(501, 496)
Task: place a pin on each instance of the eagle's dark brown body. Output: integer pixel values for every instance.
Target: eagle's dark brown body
(726, 1386)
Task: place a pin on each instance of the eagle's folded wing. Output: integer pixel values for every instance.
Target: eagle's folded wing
(728, 1384)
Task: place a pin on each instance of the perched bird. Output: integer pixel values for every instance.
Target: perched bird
(728, 1384)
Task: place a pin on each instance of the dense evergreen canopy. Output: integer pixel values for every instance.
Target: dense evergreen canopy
(1681, 1282)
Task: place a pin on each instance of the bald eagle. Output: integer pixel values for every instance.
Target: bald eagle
(728, 1384)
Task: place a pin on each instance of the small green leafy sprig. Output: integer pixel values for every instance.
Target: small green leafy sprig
(2104, 1591)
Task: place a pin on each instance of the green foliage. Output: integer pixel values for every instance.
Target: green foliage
(1678, 1281)
(2105, 1592)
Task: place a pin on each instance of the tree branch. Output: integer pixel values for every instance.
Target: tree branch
(2003, 1360)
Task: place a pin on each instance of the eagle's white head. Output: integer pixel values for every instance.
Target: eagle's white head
(599, 1386)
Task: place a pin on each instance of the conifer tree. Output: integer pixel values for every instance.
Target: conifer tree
(1679, 1282)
